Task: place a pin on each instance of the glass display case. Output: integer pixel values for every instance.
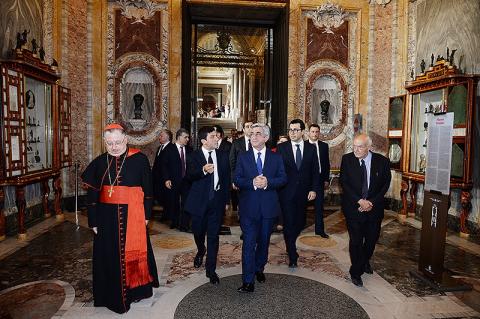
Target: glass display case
(396, 112)
(34, 130)
(442, 88)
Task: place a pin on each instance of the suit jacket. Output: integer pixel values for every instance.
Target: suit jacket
(303, 180)
(324, 162)
(171, 166)
(158, 183)
(350, 179)
(238, 146)
(225, 146)
(201, 184)
(259, 203)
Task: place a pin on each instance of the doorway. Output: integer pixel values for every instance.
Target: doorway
(236, 50)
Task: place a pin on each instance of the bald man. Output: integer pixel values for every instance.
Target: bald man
(365, 177)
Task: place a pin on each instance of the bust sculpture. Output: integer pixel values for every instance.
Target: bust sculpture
(138, 101)
(324, 107)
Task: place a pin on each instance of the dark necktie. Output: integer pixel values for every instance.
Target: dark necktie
(318, 154)
(249, 146)
(182, 159)
(259, 163)
(364, 180)
(211, 193)
(298, 156)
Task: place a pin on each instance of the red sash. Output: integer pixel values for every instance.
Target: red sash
(136, 266)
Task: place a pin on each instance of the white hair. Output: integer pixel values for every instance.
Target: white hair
(365, 137)
(113, 131)
(265, 128)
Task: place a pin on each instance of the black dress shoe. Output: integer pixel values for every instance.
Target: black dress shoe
(323, 235)
(368, 269)
(246, 288)
(214, 280)
(260, 276)
(357, 281)
(293, 264)
(198, 260)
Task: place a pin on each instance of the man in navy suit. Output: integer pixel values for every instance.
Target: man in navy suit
(301, 166)
(208, 170)
(365, 178)
(322, 153)
(174, 167)
(259, 174)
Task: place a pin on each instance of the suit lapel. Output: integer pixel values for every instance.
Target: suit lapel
(290, 156)
(373, 171)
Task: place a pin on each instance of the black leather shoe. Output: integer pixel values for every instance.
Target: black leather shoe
(357, 281)
(214, 280)
(368, 269)
(293, 264)
(198, 260)
(260, 276)
(323, 235)
(246, 288)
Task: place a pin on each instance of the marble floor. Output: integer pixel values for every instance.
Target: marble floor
(49, 275)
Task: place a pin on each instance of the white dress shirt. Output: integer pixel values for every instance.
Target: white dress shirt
(215, 170)
(294, 149)
(263, 151)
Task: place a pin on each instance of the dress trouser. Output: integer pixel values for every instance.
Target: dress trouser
(209, 225)
(319, 224)
(363, 235)
(256, 239)
(294, 217)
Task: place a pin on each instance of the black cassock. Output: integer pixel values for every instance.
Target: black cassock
(109, 280)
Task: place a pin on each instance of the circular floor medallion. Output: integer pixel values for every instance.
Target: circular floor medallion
(281, 296)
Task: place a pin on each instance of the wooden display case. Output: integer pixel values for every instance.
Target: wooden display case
(35, 131)
(440, 89)
(396, 110)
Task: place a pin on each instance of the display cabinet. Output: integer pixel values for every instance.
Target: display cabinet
(35, 131)
(396, 109)
(440, 89)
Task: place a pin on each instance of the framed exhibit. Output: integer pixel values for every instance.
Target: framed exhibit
(33, 131)
(441, 89)
(396, 110)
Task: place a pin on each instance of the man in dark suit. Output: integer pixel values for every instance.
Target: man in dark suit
(258, 175)
(208, 170)
(365, 178)
(223, 145)
(239, 145)
(158, 186)
(322, 154)
(301, 166)
(173, 167)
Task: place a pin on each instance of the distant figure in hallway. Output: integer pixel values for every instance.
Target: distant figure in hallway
(208, 171)
(324, 166)
(301, 166)
(119, 201)
(365, 178)
(259, 174)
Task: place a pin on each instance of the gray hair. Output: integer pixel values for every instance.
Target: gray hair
(365, 137)
(113, 131)
(265, 128)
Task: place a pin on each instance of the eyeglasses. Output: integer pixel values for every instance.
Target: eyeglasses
(295, 130)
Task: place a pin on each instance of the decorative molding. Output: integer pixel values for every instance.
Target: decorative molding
(308, 73)
(139, 10)
(327, 16)
(160, 67)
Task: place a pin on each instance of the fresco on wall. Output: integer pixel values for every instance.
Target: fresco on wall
(449, 23)
(137, 37)
(325, 45)
(17, 16)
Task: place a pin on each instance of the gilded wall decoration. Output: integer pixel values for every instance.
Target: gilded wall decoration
(138, 69)
(327, 16)
(324, 77)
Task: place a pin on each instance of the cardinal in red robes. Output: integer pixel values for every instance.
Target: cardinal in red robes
(119, 199)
